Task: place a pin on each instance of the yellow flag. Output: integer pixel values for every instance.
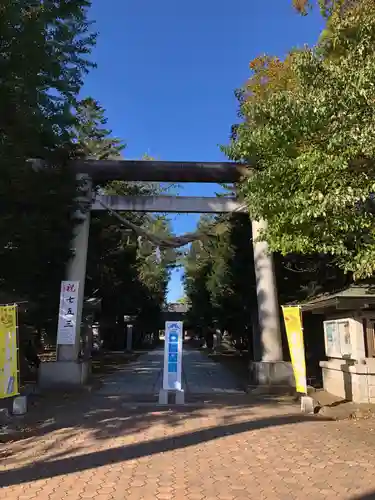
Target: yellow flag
(294, 332)
(9, 385)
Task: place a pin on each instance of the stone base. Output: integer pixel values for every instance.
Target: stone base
(307, 405)
(179, 396)
(63, 374)
(267, 375)
(350, 380)
(19, 406)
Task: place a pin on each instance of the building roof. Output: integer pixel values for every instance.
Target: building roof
(177, 307)
(362, 296)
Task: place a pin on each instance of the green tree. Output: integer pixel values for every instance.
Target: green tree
(45, 49)
(311, 148)
(197, 267)
(182, 300)
(220, 281)
(154, 275)
(93, 138)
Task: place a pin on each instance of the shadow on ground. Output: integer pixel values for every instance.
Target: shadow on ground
(104, 415)
(105, 424)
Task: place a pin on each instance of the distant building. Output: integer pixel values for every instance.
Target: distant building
(175, 311)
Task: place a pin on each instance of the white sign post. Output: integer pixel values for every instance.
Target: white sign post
(129, 337)
(172, 362)
(66, 330)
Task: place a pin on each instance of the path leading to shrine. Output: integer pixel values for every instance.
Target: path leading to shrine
(112, 445)
(142, 379)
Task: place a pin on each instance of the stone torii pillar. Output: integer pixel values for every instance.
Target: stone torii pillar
(76, 268)
(69, 370)
(268, 367)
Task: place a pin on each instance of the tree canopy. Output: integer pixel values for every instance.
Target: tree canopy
(45, 56)
(307, 133)
(326, 6)
(219, 278)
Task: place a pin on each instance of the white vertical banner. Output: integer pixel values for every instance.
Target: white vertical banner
(173, 356)
(66, 330)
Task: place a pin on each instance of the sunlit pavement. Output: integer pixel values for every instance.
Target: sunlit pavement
(105, 447)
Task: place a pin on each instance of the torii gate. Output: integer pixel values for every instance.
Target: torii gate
(268, 367)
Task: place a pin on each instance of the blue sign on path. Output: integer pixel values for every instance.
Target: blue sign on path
(173, 355)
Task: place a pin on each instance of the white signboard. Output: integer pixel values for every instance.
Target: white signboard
(66, 330)
(345, 341)
(173, 356)
(332, 339)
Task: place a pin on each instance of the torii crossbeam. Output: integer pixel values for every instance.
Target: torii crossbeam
(159, 171)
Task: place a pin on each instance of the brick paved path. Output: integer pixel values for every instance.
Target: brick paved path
(105, 448)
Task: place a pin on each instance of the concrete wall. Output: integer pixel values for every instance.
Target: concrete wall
(353, 382)
(352, 378)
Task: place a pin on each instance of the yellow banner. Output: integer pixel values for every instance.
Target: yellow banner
(294, 332)
(8, 352)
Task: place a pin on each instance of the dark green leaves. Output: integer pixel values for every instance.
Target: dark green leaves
(313, 135)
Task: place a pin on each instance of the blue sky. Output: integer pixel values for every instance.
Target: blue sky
(167, 70)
